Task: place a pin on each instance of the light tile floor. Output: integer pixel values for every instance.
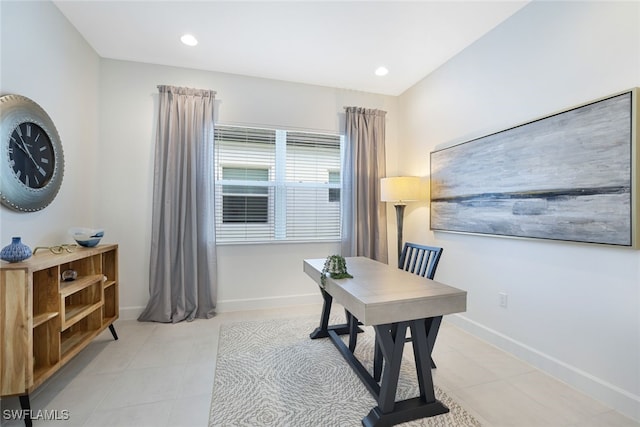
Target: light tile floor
(162, 375)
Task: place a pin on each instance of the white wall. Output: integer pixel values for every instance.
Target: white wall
(249, 276)
(45, 59)
(573, 310)
(105, 113)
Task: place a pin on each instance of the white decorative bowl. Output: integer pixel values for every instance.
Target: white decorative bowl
(88, 237)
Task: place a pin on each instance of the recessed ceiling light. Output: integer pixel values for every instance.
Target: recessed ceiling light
(382, 71)
(189, 40)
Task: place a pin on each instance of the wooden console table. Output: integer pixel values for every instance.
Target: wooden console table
(392, 301)
(45, 321)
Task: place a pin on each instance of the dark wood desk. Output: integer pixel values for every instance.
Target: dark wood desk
(392, 301)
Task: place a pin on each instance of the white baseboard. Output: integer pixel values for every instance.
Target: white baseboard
(621, 400)
(132, 313)
(267, 303)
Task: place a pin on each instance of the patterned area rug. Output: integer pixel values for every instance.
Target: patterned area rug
(271, 373)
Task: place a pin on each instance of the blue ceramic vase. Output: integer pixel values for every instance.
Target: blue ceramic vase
(16, 251)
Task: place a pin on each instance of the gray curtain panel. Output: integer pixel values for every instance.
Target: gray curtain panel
(182, 270)
(364, 216)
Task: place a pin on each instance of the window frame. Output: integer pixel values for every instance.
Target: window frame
(275, 230)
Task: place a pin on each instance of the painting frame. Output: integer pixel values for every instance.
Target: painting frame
(569, 176)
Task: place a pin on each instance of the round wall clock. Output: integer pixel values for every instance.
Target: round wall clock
(31, 158)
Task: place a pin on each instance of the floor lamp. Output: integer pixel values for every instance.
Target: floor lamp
(399, 190)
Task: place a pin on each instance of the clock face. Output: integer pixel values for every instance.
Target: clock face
(31, 155)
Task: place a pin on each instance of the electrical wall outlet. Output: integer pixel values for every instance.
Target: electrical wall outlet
(502, 299)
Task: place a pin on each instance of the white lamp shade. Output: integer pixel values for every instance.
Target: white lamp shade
(402, 189)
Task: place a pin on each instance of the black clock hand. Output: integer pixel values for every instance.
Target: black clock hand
(19, 146)
(38, 167)
(26, 150)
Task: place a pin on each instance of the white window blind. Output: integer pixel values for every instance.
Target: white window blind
(334, 193)
(245, 203)
(276, 185)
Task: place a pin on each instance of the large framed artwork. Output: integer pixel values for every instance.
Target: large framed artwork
(570, 176)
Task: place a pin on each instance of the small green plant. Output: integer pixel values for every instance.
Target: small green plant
(336, 266)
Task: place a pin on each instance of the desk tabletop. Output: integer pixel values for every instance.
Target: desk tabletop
(380, 294)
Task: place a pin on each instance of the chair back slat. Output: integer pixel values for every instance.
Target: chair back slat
(420, 259)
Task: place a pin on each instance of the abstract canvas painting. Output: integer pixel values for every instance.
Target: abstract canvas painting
(568, 176)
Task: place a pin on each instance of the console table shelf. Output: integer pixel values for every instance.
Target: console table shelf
(73, 340)
(39, 319)
(77, 312)
(45, 321)
(68, 288)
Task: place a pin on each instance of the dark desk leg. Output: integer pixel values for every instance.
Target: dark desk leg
(422, 355)
(26, 409)
(391, 339)
(377, 362)
(377, 354)
(322, 331)
(392, 348)
(433, 326)
(353, 330)
(391, 343)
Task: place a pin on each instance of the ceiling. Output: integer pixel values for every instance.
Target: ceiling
(328, 43)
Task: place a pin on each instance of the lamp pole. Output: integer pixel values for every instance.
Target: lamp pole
(399, 221)
(399, 190)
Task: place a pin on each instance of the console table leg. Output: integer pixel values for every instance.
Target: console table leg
(113, 332)
(26, 409)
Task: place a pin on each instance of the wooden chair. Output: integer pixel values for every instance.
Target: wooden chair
(423, 261)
